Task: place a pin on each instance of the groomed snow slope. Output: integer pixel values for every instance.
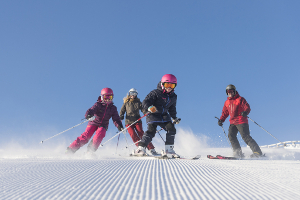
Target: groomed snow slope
(124, 177)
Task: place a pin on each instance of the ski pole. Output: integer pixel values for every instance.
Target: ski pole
(264, 129)
(117, 144)
(125, 138)
(160, 134)
(125, 128)
(225, 133)
(64, 131)
(162, 129)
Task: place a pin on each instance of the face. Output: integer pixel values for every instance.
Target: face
(132, 95)
(168, 89)
(230, 93)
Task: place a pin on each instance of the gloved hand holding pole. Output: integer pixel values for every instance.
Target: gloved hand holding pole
(224, 131)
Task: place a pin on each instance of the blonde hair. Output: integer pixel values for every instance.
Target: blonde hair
(127, 98)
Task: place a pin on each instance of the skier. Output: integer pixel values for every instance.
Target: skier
(238, 109)
(102, 111)
(161, 103)
(132, 105)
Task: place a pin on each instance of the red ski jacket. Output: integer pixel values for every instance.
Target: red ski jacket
(234, 106)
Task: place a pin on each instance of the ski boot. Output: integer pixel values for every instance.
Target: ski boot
(238, 154)
(140, 151)
(256, 155)
(169, 149)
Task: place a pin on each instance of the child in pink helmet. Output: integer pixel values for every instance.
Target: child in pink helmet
(161, 103)
(99, 115)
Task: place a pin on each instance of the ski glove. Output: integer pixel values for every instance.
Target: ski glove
(120, 128)
(90, 117)
(244, 114)
(152, 109)
(220, 123)
(176, 120)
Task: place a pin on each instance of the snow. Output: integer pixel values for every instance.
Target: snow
(46, 173)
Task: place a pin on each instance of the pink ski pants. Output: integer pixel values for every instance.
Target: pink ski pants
(86, 136)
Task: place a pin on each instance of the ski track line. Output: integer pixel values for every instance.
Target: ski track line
(147, 179)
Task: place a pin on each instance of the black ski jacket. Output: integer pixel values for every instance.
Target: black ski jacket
(165, 104)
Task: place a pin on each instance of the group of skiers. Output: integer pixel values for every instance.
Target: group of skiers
(159, 107)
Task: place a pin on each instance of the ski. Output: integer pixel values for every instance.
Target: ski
(164, 157)
(234, 158)
(226, 157)
(167, 157)
(222, 157)
(212, 157)
(145, 155)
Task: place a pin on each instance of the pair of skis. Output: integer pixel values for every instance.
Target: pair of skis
(166, 157)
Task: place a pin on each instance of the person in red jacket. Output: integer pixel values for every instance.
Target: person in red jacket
(238, 109)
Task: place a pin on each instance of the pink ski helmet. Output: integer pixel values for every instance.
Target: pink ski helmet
(107, 93)
(169, 78)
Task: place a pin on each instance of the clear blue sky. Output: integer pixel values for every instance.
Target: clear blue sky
(56, 56)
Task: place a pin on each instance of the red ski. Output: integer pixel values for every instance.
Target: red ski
(221, 157)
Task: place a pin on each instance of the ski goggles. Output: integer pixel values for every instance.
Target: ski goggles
(230, 91)
(107, 97)
(132, 94)
(169, 85)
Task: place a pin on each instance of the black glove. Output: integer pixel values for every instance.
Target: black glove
(220, 123)
(176, 120)
(120, 128)
(244, 114)
(90, 117)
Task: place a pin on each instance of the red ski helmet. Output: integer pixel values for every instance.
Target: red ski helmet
(169, 78)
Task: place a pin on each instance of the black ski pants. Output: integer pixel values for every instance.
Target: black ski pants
(245, 133)
(150, 133)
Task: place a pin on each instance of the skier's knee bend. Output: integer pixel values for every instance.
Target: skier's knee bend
(150, 133)
(248, 139)
(151, 130)
(171, 128)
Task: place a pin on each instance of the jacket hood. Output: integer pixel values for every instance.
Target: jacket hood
(159, 86)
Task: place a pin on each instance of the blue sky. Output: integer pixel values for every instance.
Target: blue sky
(56, 56)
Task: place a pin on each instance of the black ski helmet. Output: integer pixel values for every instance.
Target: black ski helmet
(230, 87)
